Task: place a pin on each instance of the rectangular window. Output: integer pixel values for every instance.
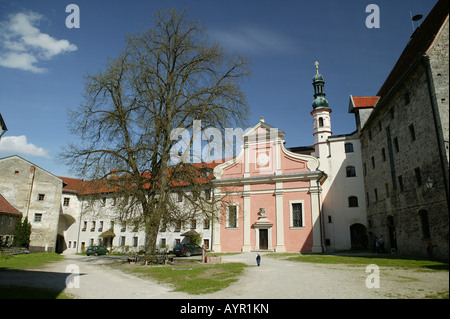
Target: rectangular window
(412, 133)
(350, 171)
(373, 162)
(206, 224)
(135, 241)
(66, 201)
(38, 218)
(353, 201)
(376, 194)
(122, 240)
(41, 197)
(425, 224)
(232, 216)
(193, 224)
(297, 215)
(383, 154)
(178, 225)
(84, 226)
(93, 226)
(206, 243)
(418, 176)
(406, 98)
(208, 194)
(396, 147)
(400, 183)
(348, 148)
(386, 187)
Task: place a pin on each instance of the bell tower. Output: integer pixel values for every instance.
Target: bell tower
(321, 116)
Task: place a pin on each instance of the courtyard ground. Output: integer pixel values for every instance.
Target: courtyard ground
(276, 278)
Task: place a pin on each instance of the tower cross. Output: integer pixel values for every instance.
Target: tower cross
(317, 67)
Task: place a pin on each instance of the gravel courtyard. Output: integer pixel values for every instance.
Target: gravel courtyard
(274, 279)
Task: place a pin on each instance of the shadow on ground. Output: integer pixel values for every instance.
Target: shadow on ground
(30, 284)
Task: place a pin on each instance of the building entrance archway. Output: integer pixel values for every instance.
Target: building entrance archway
(358, 236)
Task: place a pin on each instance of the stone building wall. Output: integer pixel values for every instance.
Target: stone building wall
(37, 194)
(400, 152)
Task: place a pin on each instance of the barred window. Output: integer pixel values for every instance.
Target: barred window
(232, 216)
(297, 215)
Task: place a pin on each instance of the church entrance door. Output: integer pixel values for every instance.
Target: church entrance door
(263, 239)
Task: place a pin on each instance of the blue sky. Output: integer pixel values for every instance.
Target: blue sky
(42, 62)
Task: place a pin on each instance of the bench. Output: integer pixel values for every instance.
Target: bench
(157, 259)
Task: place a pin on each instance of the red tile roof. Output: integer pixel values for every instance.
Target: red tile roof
(72, 185)
(7, 208)
(364, 101)
(81, 187)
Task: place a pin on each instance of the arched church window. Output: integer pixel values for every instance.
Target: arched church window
(320, 122)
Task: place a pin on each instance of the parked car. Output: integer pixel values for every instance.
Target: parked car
(97, 250)
(187, 250)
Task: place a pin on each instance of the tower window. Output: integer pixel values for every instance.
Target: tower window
(320, 122)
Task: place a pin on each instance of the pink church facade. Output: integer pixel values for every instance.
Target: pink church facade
(271, 197)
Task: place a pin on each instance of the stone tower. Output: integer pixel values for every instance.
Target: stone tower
(321, 116)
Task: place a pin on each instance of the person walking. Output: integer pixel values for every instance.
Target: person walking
(258, 260)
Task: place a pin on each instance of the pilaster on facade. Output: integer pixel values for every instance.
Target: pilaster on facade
(316, 218)
(280, 219)
(247, 212)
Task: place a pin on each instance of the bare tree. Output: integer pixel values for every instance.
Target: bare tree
(166, 78)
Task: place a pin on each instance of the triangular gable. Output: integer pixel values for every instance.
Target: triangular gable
(7, 208)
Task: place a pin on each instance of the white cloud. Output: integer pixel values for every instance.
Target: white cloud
(19, 145)
(255, 40)
(24, 44)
